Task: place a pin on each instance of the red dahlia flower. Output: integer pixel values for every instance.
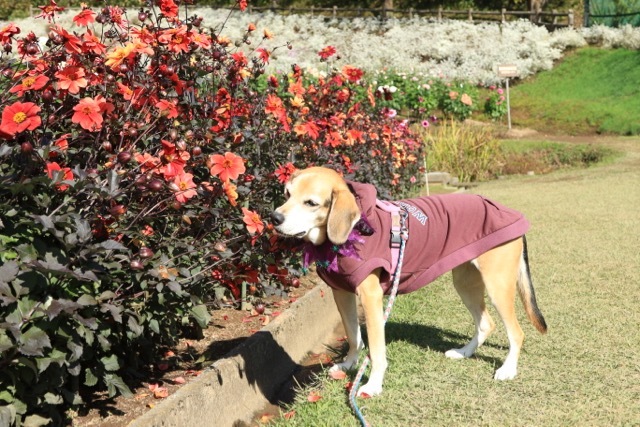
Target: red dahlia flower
(36, 82)
(226, 167)
(253, 221)
(88, 114)
(54, 170)
(20, 116)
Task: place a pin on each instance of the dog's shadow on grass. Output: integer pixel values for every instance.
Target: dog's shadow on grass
(436, 339)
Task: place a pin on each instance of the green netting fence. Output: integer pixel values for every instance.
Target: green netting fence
(612, 13)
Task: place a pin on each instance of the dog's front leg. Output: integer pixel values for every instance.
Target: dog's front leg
(346, 302)
(371, 296)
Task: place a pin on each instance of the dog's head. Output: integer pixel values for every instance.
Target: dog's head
(319, 206)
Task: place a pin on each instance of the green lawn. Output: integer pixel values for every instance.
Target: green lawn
(589, 90)
(585, 371)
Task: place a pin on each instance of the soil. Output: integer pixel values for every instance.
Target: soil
(228, 328)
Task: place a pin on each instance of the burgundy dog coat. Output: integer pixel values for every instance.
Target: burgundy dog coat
(444, 232)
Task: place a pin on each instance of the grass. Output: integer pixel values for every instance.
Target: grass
(585, 371)
(590, 90)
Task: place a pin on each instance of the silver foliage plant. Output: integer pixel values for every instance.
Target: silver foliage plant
(451, 49)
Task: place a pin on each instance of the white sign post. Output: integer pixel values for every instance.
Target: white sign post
(507, 71)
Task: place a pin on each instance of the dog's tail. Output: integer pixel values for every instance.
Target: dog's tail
(527, 294)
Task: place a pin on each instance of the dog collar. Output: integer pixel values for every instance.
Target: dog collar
(325, 256)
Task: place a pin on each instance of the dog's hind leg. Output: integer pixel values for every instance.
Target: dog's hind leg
(467, 280)
(500, 269)
(346, 302)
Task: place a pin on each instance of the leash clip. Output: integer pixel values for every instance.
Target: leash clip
(398, 227)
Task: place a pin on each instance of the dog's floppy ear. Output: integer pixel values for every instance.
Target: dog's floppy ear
(343, 216)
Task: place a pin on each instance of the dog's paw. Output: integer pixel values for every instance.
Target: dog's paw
(369, 390)
(341, 366)
(505, 373)
(459, 353)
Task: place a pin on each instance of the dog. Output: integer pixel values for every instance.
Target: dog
(347, 234)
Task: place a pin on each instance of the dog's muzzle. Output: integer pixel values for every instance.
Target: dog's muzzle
(278, 219)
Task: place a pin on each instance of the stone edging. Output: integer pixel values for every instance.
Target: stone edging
(247, 379)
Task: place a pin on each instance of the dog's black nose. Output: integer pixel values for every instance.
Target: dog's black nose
(277, 218)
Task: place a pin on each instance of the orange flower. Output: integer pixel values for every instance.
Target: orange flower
(251, 27)
(71, 78)
(167, 109)
(19, 117)
(267, 34)
(72, 43)
(169, 8)
(327, 52)
(49, 10)
(253, 222)
(284, 172)
(30, 83)
(177, 39)
(58, 174)
(147, 161)
(88, 114)
(61, 145)
(7, 32)
(85, 17)
(466, 99)
(353, 74)
(226, 167)
(174, 160)
(201, 40)
(92, 43)
(116, 57)
(186, 187)
(231, 191)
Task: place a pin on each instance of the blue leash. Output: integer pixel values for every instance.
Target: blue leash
(392, 297)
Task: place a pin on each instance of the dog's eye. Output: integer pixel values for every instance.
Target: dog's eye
(310, 203)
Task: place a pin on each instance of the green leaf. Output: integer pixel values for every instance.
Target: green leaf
(115, 382)
(114, 180)
(110, 363)
(83, 229)
(5, 341)
(112, 245)
(76, 351)
(7, 415)
(8, 271)
(135, 327)
(116, 311)
(89, 378)
(86, 300)
(53, 399)
(56, 306)
(154, 326)
(35, 421)
(33, 341)
(6, 296)
(175, 287)
(201, 314)
(46, 221)
(106, 295)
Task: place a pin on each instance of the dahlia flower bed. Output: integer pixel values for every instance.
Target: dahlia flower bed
(139, 154)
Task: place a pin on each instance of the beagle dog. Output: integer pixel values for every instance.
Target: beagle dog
(349, 234)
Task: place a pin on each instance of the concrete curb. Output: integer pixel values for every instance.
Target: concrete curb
(234, 388)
